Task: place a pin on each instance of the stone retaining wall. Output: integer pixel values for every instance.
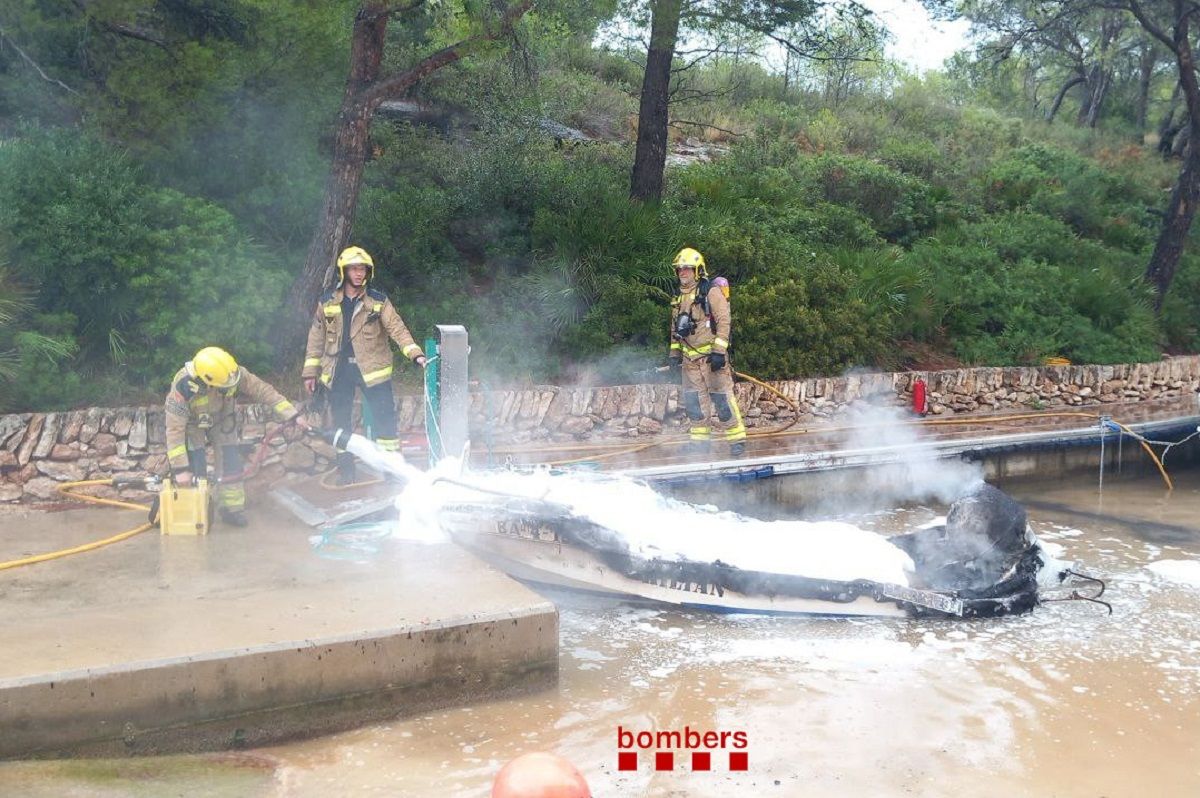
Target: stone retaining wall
(38, 451)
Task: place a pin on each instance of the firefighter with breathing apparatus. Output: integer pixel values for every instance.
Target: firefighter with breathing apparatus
(700, 330)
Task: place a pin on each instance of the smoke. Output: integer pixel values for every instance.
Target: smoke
(626, 364)
(912, 471)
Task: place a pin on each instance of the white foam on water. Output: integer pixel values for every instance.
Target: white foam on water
(1184, 572)
(656, 526)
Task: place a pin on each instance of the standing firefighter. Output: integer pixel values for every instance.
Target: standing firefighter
(700, 327)
(348, 349)
(201, 409)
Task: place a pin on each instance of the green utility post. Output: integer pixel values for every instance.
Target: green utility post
(447, 397)
(432, 403)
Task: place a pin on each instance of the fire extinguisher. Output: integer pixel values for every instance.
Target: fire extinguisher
(920, 397)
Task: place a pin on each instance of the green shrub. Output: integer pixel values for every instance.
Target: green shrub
(37, 371)
(802, 321)
(919, 158)
(1015, 289)
(1096, 202)
(900, 207)
(147, 275)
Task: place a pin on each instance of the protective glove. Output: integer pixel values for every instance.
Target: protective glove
(716, 361)
(675, 364)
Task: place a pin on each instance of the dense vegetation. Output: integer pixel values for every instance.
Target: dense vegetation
(865, 217)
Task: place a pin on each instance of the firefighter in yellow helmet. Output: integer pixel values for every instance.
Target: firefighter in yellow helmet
(700, 329)
(201, 409)
(348, 349)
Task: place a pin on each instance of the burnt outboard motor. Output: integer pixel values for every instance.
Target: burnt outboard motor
(984, 551)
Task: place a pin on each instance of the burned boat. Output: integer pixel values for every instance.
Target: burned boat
(984, 561)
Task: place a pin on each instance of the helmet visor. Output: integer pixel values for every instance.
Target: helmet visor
(235, 377)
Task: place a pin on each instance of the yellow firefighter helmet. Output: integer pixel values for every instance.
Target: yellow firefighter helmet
(689, 258)
(351, 256)
(216, 368)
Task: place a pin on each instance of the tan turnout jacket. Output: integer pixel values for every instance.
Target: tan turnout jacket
(196, 412)
(373, 323)
(705, 339)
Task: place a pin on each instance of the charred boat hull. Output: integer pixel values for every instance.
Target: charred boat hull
(543, 543)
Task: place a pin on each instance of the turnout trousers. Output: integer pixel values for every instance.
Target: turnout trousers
(707, 393)
(380, 411)
(225, 438)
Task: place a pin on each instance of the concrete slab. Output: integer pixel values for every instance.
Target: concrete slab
(244, 636)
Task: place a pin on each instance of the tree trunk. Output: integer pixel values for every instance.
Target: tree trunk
(650, 158)
(1181, 210)
(787, 71)
(1181, 137)
(1177, 222)
(342, 184)
(1145, 76)
(1062, 95)
(1166, 128)
(1095, 89)
(1099, 92)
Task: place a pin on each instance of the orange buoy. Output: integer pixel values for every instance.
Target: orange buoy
(540, 775)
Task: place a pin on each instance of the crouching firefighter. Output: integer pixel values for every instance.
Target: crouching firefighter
(201, 409)
(348, 349)
(700, 329)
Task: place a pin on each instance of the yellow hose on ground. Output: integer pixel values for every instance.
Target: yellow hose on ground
(65, 489)
(795, 407)
(327, 485)
(606, 455)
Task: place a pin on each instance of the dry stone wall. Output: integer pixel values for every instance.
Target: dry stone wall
(40, 451)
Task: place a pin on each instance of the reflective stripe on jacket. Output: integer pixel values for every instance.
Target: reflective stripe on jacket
(375, 320)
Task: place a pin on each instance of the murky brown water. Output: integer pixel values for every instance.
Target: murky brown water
(1068, 701)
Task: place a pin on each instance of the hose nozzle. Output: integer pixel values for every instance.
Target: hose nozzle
(337, 438)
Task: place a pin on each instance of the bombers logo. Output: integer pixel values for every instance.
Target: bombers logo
(698, 745)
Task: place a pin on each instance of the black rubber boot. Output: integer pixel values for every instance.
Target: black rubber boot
(234, 517)
(697, 447)
(738, 449)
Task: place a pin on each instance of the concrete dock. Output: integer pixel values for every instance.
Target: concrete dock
(244, 636)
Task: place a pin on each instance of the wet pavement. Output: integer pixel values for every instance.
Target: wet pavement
(157, 632)
(1068, 701)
